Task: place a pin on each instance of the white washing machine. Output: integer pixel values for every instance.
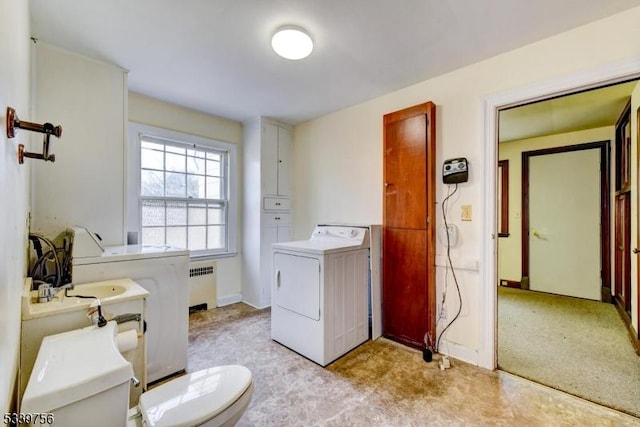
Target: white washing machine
(161, 270)
(319, 296)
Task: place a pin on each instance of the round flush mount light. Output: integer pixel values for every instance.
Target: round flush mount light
(292, 42)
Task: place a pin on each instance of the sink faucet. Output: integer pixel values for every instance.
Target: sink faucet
(46, 291)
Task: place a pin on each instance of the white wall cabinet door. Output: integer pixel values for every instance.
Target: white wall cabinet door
(270, 235)
(270, 159)
(276, 156)
(284, 162)
(284, 234)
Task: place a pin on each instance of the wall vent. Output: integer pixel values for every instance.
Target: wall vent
(200, 271)
(202, 283)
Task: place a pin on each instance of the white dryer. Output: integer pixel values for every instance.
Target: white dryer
(161, 270)
(319, 305)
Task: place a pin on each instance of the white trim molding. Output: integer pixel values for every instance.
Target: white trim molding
(229, 299)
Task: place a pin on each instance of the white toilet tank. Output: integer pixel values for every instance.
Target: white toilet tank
(81, 378)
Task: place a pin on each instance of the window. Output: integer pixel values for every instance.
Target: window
(184, 191)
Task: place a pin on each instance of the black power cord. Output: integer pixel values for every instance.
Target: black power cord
(101, 320)
(453, 271)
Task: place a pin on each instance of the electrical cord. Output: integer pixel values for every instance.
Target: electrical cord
(453, 271)
(101, 320)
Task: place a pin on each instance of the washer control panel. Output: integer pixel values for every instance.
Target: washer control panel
(339, 232)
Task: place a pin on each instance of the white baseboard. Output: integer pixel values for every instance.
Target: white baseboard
(255, 306)
(459, 352)
(229, 299)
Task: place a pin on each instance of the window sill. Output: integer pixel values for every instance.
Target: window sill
(207, 257)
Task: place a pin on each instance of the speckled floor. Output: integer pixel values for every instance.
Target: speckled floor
(378, 384)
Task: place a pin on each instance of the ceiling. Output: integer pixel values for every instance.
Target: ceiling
(215, 56)
(585, 110)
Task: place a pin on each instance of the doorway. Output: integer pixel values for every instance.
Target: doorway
(561, 269)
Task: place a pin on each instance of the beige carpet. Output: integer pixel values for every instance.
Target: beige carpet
(378, 384)
(574, 345)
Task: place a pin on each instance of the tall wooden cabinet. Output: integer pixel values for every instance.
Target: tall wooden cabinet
(267, 214)
(408, 254)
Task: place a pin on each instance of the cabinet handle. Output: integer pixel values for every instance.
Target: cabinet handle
(278, 279)
(277, 218)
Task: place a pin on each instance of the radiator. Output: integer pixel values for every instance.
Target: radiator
(202, 285)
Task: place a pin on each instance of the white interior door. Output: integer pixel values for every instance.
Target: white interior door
(564, 223)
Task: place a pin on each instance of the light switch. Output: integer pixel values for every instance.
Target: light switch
(466, 213)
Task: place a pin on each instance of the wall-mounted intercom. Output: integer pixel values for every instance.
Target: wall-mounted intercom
(455, 171)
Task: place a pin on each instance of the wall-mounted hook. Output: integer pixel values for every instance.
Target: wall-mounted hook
(13, 123)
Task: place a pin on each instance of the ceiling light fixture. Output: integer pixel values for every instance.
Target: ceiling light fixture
(292, 42)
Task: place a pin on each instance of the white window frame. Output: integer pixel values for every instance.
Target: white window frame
(133, 210)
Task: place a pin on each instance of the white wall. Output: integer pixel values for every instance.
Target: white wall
(150, 111)
(338, 157)
(84, 186)
(510, 248)
(14, 187)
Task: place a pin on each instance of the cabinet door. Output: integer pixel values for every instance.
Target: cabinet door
(269, 162)
(405, 313)
(405, 179)
(284, 162)
(284, 234)
(269, 237)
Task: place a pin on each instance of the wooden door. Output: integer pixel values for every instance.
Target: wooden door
(408, 257)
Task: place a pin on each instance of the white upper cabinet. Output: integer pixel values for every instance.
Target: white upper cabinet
(276, 168)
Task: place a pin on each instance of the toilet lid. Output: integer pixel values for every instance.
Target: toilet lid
(194, 398)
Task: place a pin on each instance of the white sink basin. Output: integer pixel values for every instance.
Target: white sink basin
(108, 292)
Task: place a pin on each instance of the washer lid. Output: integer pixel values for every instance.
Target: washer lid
(194, 398)
(131, 252)
(75, 365)
(329, 238)
(317, 246)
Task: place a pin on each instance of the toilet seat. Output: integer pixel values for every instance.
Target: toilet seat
(195, 398)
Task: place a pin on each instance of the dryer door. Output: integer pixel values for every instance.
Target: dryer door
(296, 284)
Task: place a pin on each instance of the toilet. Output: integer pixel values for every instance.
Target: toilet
(81, 379)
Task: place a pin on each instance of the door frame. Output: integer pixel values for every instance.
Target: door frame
(605, 202)
(591, 78)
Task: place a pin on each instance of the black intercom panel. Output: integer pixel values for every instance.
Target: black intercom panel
(455, 171)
